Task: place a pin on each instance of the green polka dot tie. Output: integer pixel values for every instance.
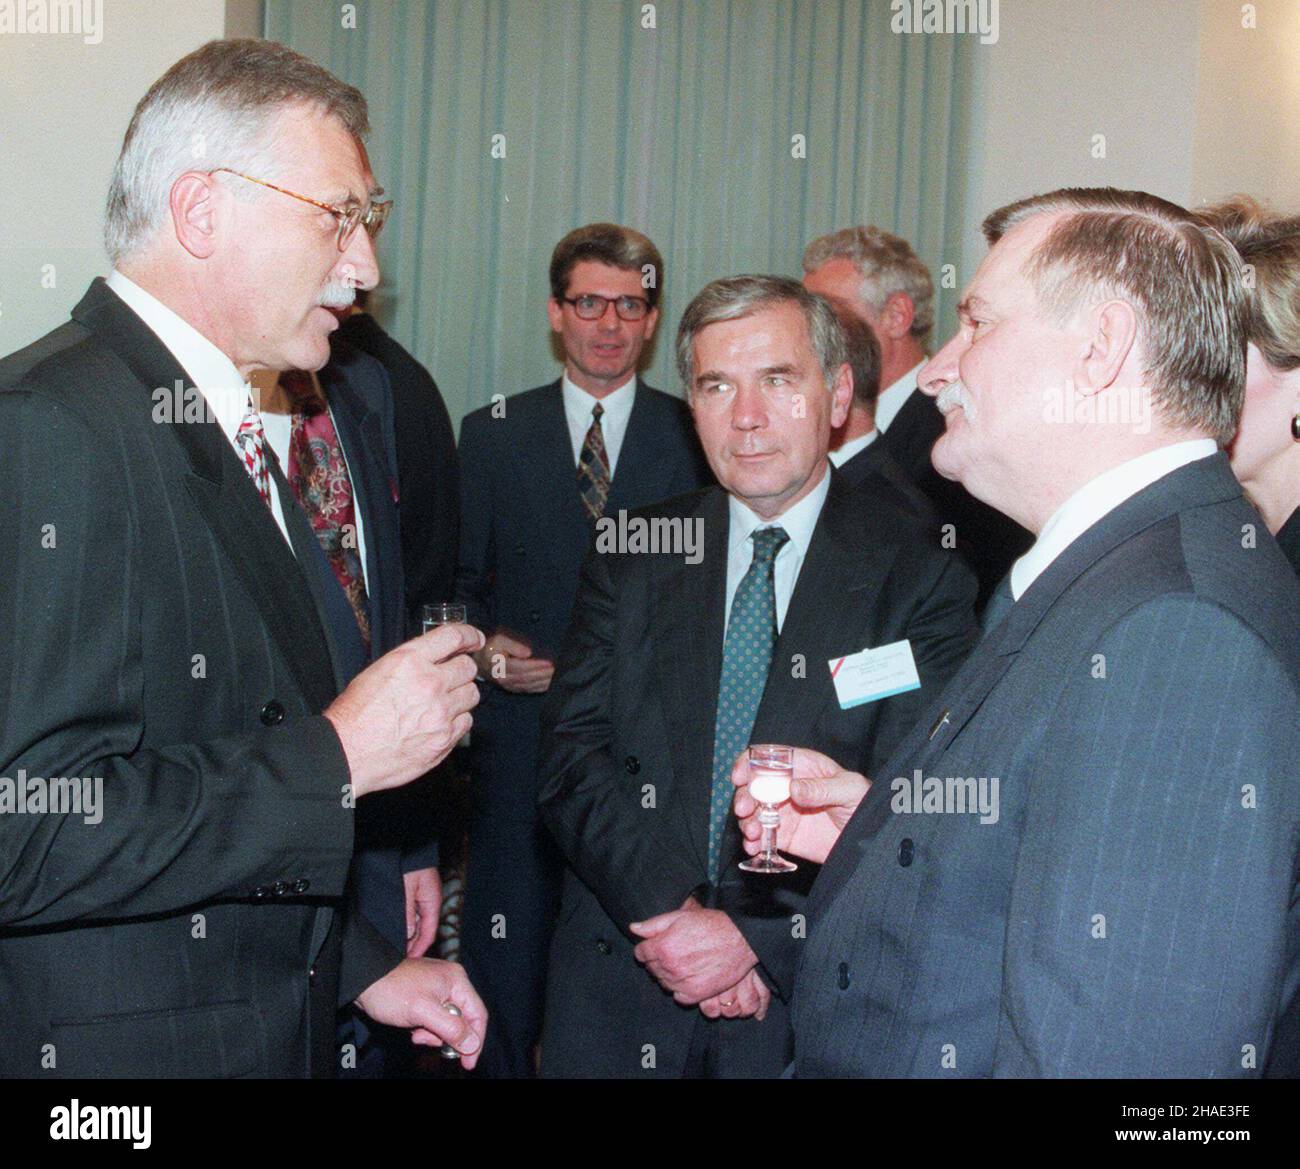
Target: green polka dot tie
(746, 657)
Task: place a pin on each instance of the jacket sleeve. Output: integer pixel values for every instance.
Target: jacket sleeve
(593, 809)
(176, 825)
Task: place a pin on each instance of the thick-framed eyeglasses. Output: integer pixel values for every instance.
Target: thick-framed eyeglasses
(592, 307)
(372, 217)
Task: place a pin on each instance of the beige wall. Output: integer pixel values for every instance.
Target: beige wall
(1193, 106)
(64, 106)
(1248, 103)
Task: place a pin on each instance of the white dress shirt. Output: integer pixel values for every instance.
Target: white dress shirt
(211, 372)
(617, 407)
(891, 399)
(854, 446)
(1097, 499)
(798, 522)
(277, 421)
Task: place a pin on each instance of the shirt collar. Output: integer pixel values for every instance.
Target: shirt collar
(854, 446)
(890, 400)
(798, 521)
(615, 406)
(1098, 498)
(211, 372)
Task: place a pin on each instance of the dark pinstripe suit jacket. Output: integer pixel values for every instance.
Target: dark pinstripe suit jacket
(159, 635)
(1133, 910)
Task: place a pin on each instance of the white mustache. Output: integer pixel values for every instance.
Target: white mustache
(953, 395)
(337, 294)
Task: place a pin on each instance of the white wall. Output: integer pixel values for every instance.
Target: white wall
(1065, 71)
(1192, 105)
(1248, 103)
(64, 106)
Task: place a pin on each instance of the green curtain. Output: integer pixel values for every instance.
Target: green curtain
(685, 130)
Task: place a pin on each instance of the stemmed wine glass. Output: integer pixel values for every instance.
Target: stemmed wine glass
(771, 768)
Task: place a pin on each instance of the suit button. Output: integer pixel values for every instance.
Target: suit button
(301, 886)
(905, 850)
(519, 550)
(260, 893)
(844, 976)
(603, 946)
(311, 976)
(272, 713)
(280, 888)
(534, 616)
(633, 764)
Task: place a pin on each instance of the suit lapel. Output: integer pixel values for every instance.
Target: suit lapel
(635, 478)
(688, 629)
(360, 434)
(552, 474)
(830, 614)
(226, 498)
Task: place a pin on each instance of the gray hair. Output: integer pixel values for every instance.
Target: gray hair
(1183, 278)
(212, 109)
(887, 266)
(737, 297)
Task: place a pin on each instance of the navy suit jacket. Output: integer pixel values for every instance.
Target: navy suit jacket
(524, 533)
(1132, 910)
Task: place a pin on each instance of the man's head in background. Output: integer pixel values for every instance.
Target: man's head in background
(879, 278)
(862, 352)
(605, 282)
(765, 367)
(1101, 325)
(243, 200)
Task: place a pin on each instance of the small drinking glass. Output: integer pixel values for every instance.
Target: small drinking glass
(442, 613)
(771, 768)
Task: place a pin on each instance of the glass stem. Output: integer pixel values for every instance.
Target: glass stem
(768, 819)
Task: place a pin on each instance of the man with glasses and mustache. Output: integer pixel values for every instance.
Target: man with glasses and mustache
(537, 471)
(170, 636)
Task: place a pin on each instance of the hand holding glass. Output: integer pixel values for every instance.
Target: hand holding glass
(770, 770)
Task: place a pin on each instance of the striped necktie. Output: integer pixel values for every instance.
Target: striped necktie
(250, 439)
(593, 467)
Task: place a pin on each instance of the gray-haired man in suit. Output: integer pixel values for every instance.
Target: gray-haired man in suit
(1082, 862)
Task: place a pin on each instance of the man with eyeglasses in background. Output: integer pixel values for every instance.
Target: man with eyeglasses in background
(164, 637)
(537, 471)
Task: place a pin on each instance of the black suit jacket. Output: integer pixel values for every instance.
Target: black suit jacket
(990, 541)
(883, 477)
(627, 755)
(1133, 908)
(524, 533)
(163, 639)
(427, 465)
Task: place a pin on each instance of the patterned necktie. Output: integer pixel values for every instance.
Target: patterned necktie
(250, 438)
(318, 474)
(593, 467)
(746, 658)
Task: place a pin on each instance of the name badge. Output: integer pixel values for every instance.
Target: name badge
(874, 674)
